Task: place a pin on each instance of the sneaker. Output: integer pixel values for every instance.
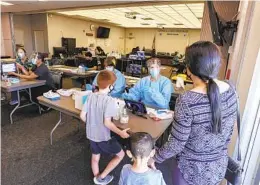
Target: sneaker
(13, 102)
(106, 180)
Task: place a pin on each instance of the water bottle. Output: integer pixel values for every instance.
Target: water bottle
(124, 117)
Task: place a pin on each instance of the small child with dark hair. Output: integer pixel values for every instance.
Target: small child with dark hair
(97, 113)
(141, 150)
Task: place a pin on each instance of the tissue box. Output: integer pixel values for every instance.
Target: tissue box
(80, 98)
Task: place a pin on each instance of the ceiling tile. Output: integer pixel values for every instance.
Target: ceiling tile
(172, 16)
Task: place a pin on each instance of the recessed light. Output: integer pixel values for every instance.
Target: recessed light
(5, 3)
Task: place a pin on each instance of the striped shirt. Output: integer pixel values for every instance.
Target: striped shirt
(202, 155)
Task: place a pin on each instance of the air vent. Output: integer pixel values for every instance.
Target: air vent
(178, 24)
(148, 19)
(134, 13)
(145, 24)
(103, 20)
(161, 24)
(172, 34)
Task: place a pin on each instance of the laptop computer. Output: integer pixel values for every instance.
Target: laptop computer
(6, 68)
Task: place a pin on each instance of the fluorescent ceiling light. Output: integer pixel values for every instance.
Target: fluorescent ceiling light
(5, 3)
(147, 16)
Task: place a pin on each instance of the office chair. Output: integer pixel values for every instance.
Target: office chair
(57, 79)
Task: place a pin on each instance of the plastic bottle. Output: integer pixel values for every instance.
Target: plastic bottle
(117, 117)
(124, 117)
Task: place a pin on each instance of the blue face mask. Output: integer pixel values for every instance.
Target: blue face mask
(154, 72)
(34, 61)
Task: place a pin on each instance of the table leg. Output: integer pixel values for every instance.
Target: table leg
(78, 125)
(30, 96)
(54, 128)
(16, 107)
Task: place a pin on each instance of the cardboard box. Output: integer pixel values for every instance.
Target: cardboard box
(80, 98)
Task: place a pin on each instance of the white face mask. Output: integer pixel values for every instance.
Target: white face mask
(110, 68)
(20, 55)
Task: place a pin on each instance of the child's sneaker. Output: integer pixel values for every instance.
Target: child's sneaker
(106, 180)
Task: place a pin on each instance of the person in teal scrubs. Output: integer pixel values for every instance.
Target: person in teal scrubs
(154, 90)
(120, 84)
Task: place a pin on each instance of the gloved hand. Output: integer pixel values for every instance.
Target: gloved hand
(89, 87)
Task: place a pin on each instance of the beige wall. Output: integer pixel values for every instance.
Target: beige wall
(169, 40)
(39, 23)
(61, 26)
(24, 27)
(6, 36)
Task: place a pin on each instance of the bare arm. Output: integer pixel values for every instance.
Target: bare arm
(30, 76)
(93, 68)
(83, 116)
(109, 124)
(24, 71)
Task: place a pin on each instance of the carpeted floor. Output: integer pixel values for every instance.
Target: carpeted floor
(29, 159)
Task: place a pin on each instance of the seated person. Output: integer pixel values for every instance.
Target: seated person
(99, 51)
(89, 62)
(21, 60)
(40, 73)
(154, 90)
(141, 150)
(97, 113)
(120, 84)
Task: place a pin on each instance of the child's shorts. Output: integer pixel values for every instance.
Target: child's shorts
(108, 147)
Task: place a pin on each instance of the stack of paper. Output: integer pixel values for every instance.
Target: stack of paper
(160, 114)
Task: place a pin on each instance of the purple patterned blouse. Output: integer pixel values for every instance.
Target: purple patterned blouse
(201, 155)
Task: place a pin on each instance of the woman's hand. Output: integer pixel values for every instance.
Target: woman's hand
(151, 163)
(12, 73)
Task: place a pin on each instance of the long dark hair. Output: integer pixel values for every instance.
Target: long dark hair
(203, 60)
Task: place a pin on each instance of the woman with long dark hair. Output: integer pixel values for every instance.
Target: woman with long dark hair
(203, 121)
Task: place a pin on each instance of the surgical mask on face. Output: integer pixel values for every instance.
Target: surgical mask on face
(110, 68)
(34, 61)
(154, 72)
(20, 55)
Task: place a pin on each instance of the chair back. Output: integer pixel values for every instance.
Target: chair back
(57, 79)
